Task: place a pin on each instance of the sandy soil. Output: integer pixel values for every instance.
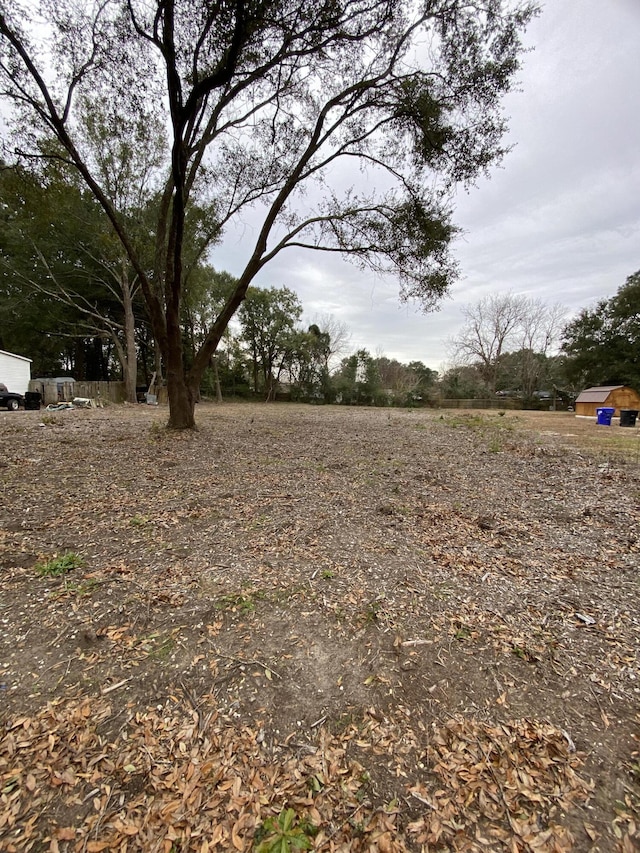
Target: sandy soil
(416, 630)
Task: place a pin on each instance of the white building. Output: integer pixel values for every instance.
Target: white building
(15, 372)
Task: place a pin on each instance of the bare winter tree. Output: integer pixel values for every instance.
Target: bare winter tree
(262, 102)
(491, 325)
(339, 338)
(500, 323)
(541, 331)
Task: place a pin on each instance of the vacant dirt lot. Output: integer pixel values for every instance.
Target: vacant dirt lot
(344, 629)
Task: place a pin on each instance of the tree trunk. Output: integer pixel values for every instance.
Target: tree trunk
(157, 364)
(130, 366)
(182, 394)
(216, 378)
(130, 378)
(182, 401)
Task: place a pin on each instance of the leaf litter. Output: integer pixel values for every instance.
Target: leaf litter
(336, 624)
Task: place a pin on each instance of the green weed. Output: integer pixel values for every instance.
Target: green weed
(81, 589)
(57, 566)
(284, 834)
(238, 602)
(163, 648)
(465, 420)
(462, 634)
(371, 613)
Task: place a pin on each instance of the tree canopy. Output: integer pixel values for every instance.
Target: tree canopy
(602, 344)
(211, 109)
(63, 274)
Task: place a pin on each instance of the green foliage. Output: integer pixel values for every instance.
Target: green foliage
(56, 246)
(495, 444)
(268, 318)
(602, 344)
(471, 421)
(308, 365)
(58, 566)
(157, 431)
(206, 292)
(463, 383)
(284, 834)
(358, 381)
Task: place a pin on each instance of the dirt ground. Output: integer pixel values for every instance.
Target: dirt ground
(319, 628)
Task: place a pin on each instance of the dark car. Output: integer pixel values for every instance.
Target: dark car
(11, 400)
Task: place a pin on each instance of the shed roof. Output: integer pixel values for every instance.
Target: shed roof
(597, 394)
(13, 355)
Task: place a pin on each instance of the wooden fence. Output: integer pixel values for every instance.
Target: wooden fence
(108, 392)
(489, 403)
(63, 390)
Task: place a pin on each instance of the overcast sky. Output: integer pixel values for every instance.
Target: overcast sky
(559, 221)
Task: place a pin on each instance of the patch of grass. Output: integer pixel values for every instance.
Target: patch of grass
(139, 520)
(327, 574)
(465, 420)
(58, 566)
(342, 724)
(80, 590)
(163, 648)
(240, 602)
(519, 652)
(158, 645)
(612, 446)
(49, 420)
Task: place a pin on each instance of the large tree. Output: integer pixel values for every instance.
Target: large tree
(268, 319)
(268, 104)
(602, 344)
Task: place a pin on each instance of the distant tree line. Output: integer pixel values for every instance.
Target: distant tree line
(516, 346)
(71, 301)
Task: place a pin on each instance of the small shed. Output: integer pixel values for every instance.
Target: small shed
(15, 371)
(614, 396)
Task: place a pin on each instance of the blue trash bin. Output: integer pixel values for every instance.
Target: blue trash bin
(604, 416)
